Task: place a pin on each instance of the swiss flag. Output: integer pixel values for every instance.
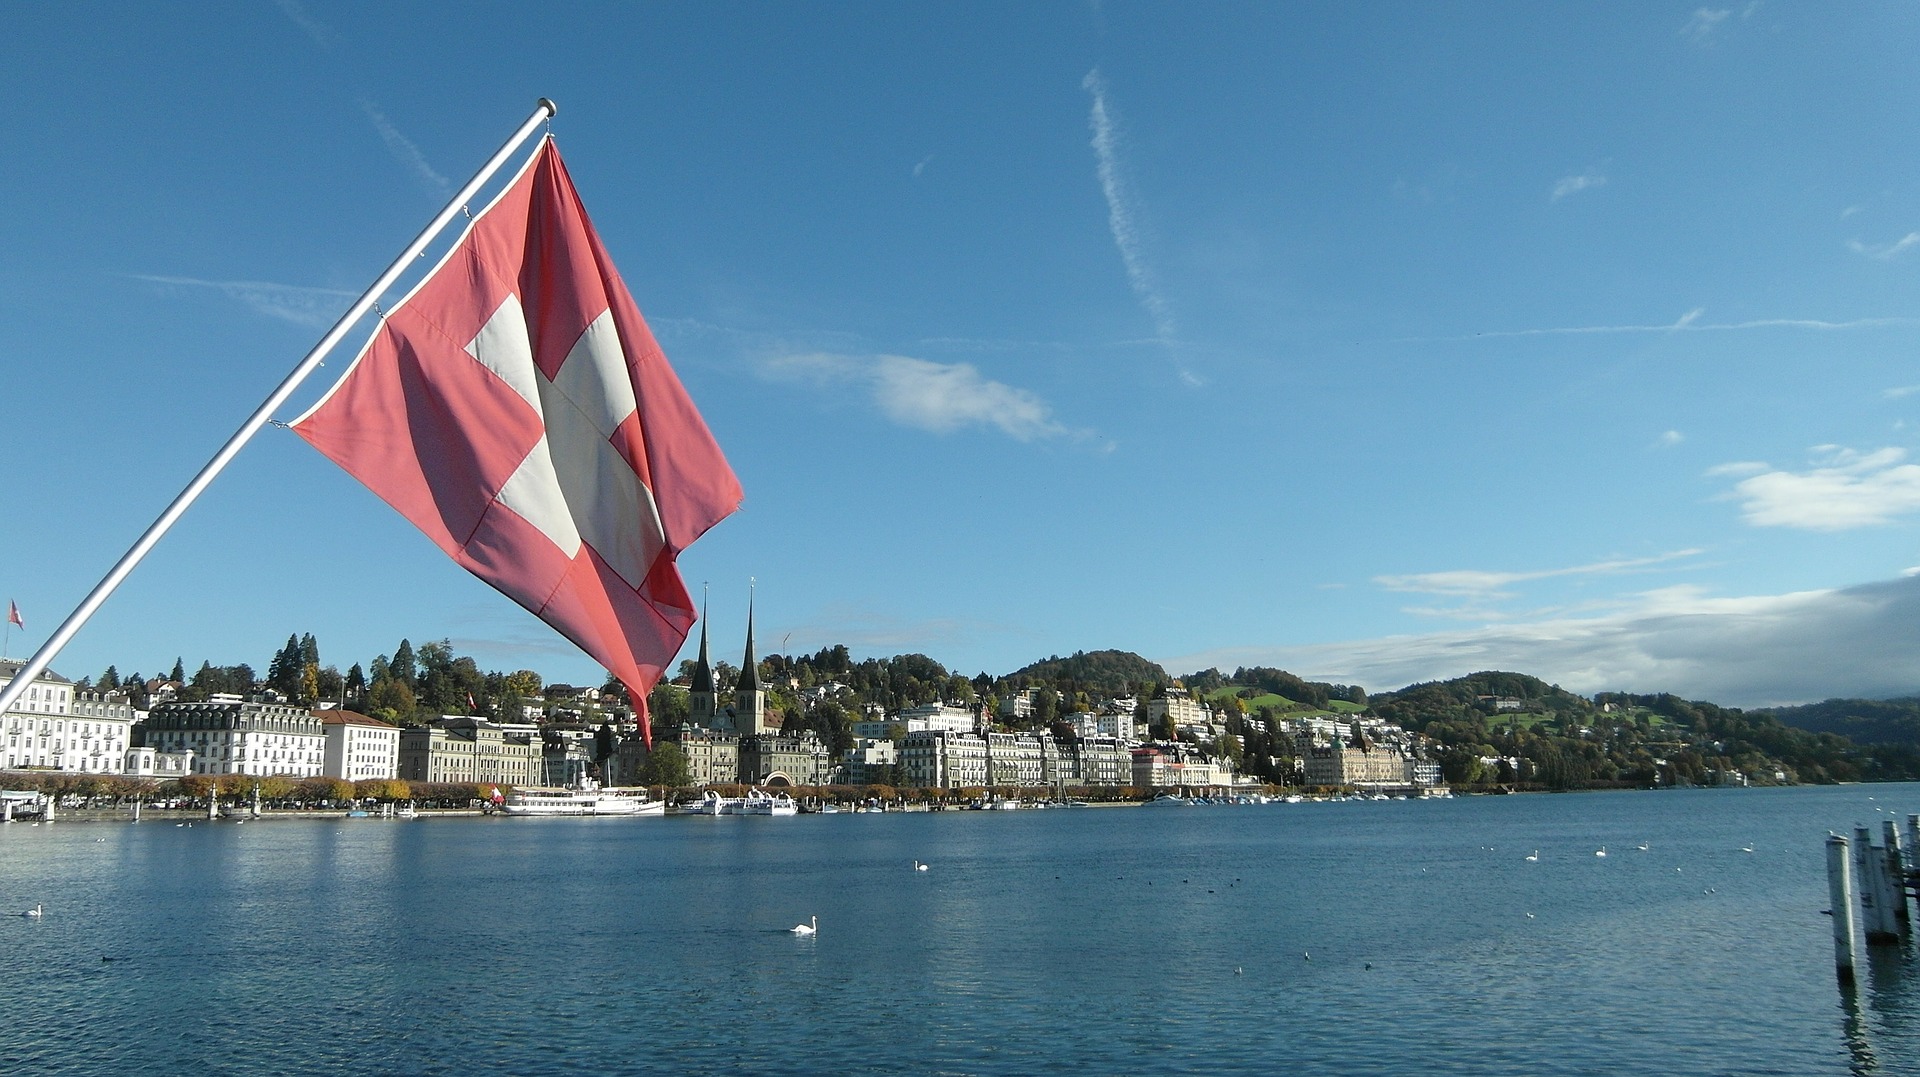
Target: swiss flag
(515, 407)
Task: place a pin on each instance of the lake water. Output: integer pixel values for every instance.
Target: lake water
(1348, 938)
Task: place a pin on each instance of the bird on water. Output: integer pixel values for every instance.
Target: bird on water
(812, 925)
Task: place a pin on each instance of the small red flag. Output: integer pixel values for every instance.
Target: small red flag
(13, 614)
(516, 408)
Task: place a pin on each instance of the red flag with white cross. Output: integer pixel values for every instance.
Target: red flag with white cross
(516, 408)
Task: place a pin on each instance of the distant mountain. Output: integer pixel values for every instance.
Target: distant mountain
(1863, 721)
(1107, 672)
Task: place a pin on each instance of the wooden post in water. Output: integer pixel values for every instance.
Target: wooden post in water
(136, 809)
(49, 798)
(1896, 874)
(1840, 898)
(1877, 912)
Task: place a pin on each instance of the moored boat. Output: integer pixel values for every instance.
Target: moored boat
(588, 799)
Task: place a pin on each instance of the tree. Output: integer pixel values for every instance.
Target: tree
(667, 706)
(283, 673)
(400, 666)
(666, 765)
(179, 674)
(330, 685)
(523, 682)
(1227, 746)
(392, 700)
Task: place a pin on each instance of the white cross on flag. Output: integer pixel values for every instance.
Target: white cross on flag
(515, 407)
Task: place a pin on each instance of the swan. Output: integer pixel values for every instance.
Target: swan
(1602, 851)
(34, 913)
(1642, 846)
(812, 925)
(1534, 857)
(1747, 848)
(918, 866)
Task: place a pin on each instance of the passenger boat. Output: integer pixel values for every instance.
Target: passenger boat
(763, 803)
(756, 802)
(588, 799)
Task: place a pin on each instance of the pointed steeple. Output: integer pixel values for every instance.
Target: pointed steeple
(749, 695)
(703, 669)
(702, 700)
(749, 669)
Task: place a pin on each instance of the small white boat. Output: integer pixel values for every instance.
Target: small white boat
(588, 799)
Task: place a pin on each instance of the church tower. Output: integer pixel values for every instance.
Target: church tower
(750, 696)
(702, 700)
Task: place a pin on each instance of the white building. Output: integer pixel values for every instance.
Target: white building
(869, 761)
(943, 759)
(53, 726)
(1109, 722)
(1179, 705)
(148, 763)
(927, 716)
(231, 737)
(358, 748)
(1170, 767)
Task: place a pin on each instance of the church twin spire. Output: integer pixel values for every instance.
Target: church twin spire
(749, 709)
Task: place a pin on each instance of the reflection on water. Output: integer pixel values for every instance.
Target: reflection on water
(1892, 993)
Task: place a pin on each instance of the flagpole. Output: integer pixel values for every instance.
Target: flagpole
(545, 110)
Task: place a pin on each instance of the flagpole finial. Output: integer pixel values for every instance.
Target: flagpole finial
(547, 103)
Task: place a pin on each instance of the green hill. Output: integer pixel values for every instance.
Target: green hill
(1108, 672)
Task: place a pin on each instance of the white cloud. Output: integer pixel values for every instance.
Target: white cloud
(1574, 184)
(1843, 490)
(1481, 584)
(313, 307)
(922, 165)
(1900, 391)
(1669, 439)
(1884, 251)
(937, 397)
(1704, 22)
(1749, 651)
(405, 152)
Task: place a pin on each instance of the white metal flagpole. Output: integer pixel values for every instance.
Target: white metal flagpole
(45, 655)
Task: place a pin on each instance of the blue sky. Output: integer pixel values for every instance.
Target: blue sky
(1378, 343)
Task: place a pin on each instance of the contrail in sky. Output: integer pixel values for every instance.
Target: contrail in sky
(1121, 217)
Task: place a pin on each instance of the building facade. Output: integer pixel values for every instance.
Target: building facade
(55, 726)
(239, 737)
(1339, 764)
(771, 758)
(359, 748)
(1170, 767)
(869, 762)
(469, 750)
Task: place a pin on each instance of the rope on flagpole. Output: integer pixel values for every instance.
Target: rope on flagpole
(34, 666)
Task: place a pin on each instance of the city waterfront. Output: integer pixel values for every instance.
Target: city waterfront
(1342, 938)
